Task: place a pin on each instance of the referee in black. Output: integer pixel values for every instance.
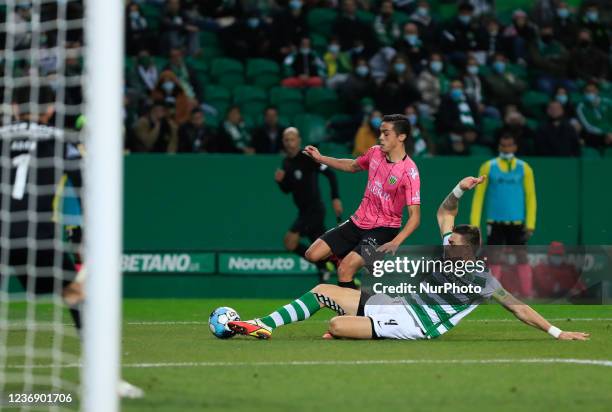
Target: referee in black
(300, 177)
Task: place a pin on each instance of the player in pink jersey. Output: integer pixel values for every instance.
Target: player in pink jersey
(393, 182)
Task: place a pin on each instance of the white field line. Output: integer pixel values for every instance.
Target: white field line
(170, 323)
(591, 362)
(21, 325)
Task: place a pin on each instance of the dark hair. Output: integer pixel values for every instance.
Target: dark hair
(401, 125)
(196, 110)
(22, 95)
(271, 107)
(470, 233)
(506, 134)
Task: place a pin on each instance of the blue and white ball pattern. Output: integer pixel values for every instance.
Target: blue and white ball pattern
(218, 322)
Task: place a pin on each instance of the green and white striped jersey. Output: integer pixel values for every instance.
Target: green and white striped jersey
(437, 313)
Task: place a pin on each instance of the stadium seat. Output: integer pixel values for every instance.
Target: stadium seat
(323, 101)
(280, 95)
(267, 80)
(590, 153)
(534, 103)
(160, 62)
(321, 20)
(152, 14)
(257, 67)
(401, 18)
(222, 66)
(608, 152)
(231, 79)
(216, 93)
(311, 127)
(254, 109)
(249, 94)
(480, 150)
(198, 65)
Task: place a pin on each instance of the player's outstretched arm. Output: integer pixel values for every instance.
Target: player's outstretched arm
(528, 315)
(346, 165)
(448, 209)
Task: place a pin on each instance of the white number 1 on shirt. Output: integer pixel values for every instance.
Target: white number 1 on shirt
(21, 162)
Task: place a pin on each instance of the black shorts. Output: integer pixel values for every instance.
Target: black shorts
(310, 224)
(506, 234)
(348, 237)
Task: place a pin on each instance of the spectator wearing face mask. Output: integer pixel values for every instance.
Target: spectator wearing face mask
(516, 124)
(591, 20)
(385, 26)
(358, 85)
(141, 80)
(398, 89)
(304, 67)
(177, 30)
(549, 59)
(348, 28)
(420, 143)
(508, 195)
(472, 84)
(459, 119)
(556, 136)
(586, 61)
(137, 34)
(411, 45)
(432, 83)
(492, 41)
(564, 26)
(556, 277)
(367, 134)
(288, 27)
(502, 87)
(428, 27)
(184, 74)
(462, 35)
(248, 38)
(569, 109)
(518, 35)
(337, 64)
(595, 116)
(169, 90)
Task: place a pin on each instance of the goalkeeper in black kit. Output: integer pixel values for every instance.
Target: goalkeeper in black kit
(300, 177)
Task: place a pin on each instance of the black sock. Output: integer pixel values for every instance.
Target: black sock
(76, 317)
(350, 284)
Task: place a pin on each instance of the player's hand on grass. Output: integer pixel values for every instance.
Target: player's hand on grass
(574, 336)
(313, 152)
(337, 205)
(279, 175)
(471, 182)
(389, 247)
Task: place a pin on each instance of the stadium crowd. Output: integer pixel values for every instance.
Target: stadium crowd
(230, 75)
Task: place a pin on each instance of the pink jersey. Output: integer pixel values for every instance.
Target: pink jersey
(390, 187)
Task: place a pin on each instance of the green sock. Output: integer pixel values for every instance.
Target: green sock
(300, 309)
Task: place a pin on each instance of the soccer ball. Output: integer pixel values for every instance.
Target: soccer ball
(218, 322)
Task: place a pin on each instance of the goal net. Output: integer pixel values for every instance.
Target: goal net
(51, 188)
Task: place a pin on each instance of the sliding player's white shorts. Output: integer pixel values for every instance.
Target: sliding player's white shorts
(391, 319)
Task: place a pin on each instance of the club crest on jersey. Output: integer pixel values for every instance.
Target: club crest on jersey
(392, 180)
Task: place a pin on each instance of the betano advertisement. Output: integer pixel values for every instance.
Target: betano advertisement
(206, 263)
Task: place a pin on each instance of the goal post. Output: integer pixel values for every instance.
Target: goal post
(103, 173)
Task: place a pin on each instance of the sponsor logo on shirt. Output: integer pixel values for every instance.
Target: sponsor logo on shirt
(413, 173)
(377, 189)
(392, 180)
(417, 196)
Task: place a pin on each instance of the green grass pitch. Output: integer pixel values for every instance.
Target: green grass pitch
(297, 370)
(489, 362)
